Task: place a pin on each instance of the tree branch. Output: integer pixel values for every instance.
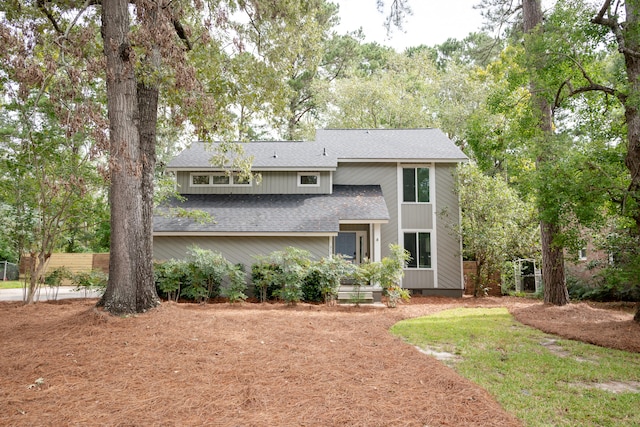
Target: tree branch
(616, 28)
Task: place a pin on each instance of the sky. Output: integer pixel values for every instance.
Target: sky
(432, 22)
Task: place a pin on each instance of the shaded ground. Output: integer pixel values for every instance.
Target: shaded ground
(66, 363)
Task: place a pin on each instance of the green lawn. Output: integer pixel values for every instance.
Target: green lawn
(10, 284)
(541, 379)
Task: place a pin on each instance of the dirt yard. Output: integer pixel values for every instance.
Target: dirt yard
(66, 363)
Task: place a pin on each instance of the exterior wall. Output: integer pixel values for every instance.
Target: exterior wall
(272, 183)
(449, 262)
(417, 216)
(384, 175)
(237, 249)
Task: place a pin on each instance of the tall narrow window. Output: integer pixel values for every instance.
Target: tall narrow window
(419, 246)
(415, 185)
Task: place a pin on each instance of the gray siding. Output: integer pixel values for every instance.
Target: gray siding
(383, 174)
(281, 182)
(418, 279)
(237, 249)
(448, 244)
(418, 216)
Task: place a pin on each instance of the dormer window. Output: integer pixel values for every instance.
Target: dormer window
(217, 179)
(308, 179)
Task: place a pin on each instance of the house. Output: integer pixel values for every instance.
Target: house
(351, 192)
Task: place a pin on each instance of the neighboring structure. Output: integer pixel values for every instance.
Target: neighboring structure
(352, 192)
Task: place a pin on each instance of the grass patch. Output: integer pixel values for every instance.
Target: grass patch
(541, 379)
(10, 284)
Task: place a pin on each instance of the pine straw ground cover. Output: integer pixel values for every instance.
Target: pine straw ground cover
(67, 363)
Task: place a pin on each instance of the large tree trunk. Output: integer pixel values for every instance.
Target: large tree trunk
(632, 102)
(146, 295)
(555, 288)
(130, 251)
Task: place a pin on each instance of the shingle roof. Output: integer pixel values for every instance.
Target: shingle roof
(266, 155)
(399, 144)
(332, 145)
(279, 213)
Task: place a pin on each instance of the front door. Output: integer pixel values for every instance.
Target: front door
(353, 245)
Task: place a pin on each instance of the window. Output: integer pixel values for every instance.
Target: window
(217, 179)
(419, 246)
(308, 179)
(582, 254)
(200, 180)
(220, 179)
(415, 185)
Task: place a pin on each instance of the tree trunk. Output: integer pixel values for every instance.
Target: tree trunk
(555, 288)
(146, 294)
(632, 102)
(128, 250)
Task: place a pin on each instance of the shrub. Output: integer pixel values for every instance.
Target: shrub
(171, 276)
(264, 276)
(324, 277)
(283, 272)
(208, 269)
(95, 280)
(237, 284)
(55, 277)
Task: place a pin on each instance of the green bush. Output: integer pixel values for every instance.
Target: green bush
(95, 280)
(55, 277)
(171, 276)
(264, 276)
(237, 284)
(208, 269)
(281, 274)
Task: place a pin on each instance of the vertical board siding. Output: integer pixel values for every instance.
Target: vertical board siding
(280, 182)
(448, 243)
(237, 249)
(417, 216)
(384, 175)
(418, 279)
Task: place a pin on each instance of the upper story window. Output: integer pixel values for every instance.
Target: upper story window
(415, 185)
(217, 179)
(308, 179)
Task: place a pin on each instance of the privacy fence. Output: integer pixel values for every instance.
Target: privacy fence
(75, 263)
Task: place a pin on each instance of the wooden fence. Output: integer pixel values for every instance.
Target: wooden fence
(76, 263)
(469, 271)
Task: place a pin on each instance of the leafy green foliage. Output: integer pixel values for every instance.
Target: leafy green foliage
(171, 276)
(234, 291)
(324, 277)
(497, 225)
(91, 280)
(208, 270)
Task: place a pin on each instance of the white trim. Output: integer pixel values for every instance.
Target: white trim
(301, 174)
(434, 218)
(241, 234)
(377, 242)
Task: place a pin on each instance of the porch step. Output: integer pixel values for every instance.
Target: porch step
(349, 294)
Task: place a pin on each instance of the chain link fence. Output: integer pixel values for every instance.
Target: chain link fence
(9, 271)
